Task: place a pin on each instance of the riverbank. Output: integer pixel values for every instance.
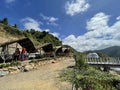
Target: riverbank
(117, 70)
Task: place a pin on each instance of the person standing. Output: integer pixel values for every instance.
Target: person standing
(23, 52)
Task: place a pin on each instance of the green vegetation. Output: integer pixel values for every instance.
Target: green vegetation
(88, 78)
(6, 65)
(15, 63)
(4, 21)
(42, 37)
(79, 61)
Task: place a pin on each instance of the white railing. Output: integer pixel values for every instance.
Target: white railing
(104, 60)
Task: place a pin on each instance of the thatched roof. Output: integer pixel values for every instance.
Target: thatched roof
(48, 47)
(24, 42)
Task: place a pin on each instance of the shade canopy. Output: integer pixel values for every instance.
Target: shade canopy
(48, 47)
(24, 42)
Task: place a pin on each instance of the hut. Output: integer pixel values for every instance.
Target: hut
(58, 51)
(46, 50)
(66, 51)
(7, 49)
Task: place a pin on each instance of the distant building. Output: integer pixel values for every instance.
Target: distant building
(92, 55)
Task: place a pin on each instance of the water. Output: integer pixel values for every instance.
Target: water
(116, 69)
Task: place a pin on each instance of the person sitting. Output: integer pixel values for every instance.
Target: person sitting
(17, 54)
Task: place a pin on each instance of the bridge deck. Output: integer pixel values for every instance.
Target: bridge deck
(103, 61)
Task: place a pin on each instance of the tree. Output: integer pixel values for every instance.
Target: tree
(5, 21)
(79, 60)
(32, 31)
(15, 26)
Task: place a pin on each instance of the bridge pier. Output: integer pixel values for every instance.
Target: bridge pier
(106, 68)
(100, 68)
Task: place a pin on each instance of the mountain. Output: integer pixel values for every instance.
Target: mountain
(111, 51)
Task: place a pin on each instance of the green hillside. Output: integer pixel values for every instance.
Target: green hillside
(11, 32)
(37, 37)
(41, 37)
(111, 51)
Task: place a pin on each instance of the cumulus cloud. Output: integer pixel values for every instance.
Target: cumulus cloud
(9, 1)
(30, 23)
(118, 18)
(76, 6)
(50, 20)
(55, 34)
(99, 35)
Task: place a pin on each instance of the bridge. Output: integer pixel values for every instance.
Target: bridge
(105, 61)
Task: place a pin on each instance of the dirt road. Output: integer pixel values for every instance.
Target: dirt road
(44, 78)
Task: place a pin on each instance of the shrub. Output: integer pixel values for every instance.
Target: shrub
(79, 60)
(15, 63)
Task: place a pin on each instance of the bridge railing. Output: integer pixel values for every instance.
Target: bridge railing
(103, 60)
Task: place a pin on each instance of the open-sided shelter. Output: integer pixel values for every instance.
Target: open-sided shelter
(46, 49)
(66, 51)
(58, 51)
(7, 49)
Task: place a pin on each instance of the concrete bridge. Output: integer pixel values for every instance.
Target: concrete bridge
(105, 61)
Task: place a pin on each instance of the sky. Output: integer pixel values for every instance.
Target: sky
(82, 24)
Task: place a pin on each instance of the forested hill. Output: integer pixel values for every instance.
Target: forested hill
(111, 51)
(12, 31)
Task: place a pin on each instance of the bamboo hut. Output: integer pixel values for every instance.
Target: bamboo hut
(46, 50)
(7, 49)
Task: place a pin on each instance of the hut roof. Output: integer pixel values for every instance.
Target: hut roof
(65, 50)
(24, 42)
(48, 47)
(58, 49)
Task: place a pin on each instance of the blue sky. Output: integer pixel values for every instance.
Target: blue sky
(82, 24)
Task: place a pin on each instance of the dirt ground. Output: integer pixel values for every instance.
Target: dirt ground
(44, 78)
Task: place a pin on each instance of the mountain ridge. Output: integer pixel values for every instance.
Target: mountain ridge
(113, 51)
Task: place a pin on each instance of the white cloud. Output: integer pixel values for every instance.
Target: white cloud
(10, 1)
(47, 30)
(99, 35)
(50, 20)
(76, 6)
(118, 18)
(30, 23)
(55, 34)
(98, 21)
